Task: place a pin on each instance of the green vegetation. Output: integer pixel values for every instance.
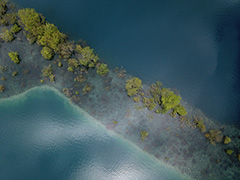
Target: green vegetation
(136, 99)
(214, 136)
(51, 37)
(3, 7)
(239, 157)
(2, 88)
(15, 73)
(47, 53)
(149, 103)
(3, 78)
(180, 110)
(47, 71)
(3, 69)
(80, 78)
(133, 86)
(115, 122)
(102, 69)
(73, 63)
(7, 19)
(70, 69)
(65, 50)
(168, 99)
(229, 151)
(32, 22)
(87, 88)
(15, 29)
(200, 124)
(86, 56)
(60, 64)
(143, 135)
(14, 57)
(7, 35)
(227, 140)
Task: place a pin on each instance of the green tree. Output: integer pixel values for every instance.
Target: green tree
(47, 53)
(133, 86)
(87, 56)
(169, 99)
(31, 21)
(102, 69)
(7, 35)
(51, 37)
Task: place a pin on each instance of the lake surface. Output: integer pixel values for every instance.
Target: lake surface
(42, 136)
(191, 45)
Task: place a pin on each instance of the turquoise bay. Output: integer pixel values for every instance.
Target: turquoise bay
(42, 136)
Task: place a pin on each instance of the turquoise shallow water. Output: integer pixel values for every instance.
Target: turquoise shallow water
(191, 45)
(42, 136)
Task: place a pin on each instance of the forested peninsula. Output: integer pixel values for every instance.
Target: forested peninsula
(34, 52)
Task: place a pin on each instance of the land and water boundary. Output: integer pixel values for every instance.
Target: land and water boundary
(34, 53)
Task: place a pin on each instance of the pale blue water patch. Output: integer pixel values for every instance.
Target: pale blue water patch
(42, 136)
(191, 45)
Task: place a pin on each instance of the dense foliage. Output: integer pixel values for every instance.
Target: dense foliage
(47, 53)
(102, 69)
(133, 86)
(7, 35)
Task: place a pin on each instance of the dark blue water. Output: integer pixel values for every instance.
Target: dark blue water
(43, 137)
(191, 45)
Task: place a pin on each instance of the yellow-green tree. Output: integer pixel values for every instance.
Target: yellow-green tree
(47, 53)
(102, 69)
(31, 21)
(169, 99)
(51, 37)
(133, 86)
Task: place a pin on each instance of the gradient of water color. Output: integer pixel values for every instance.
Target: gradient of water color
(42, 136)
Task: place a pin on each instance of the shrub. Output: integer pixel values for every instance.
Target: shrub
(143, 135)
(73, 62)
(227, 140)
(2, 88)
(3, 7)
(8, 19)
(229, 151)
(47, 70)
(65, 50)
(169, 99)
(14, 57)
(15, 73)
(60, 64)
(7, 35)
(102, 69)
(133, 86)
(80, 78)
(239, 157)
(15, 29)
(3, 69)
(87, 88)
(71, 69)
(200, 124)
(3, 78)
(47, 53)
(136, 98)
(214, 136)
(149, 103)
